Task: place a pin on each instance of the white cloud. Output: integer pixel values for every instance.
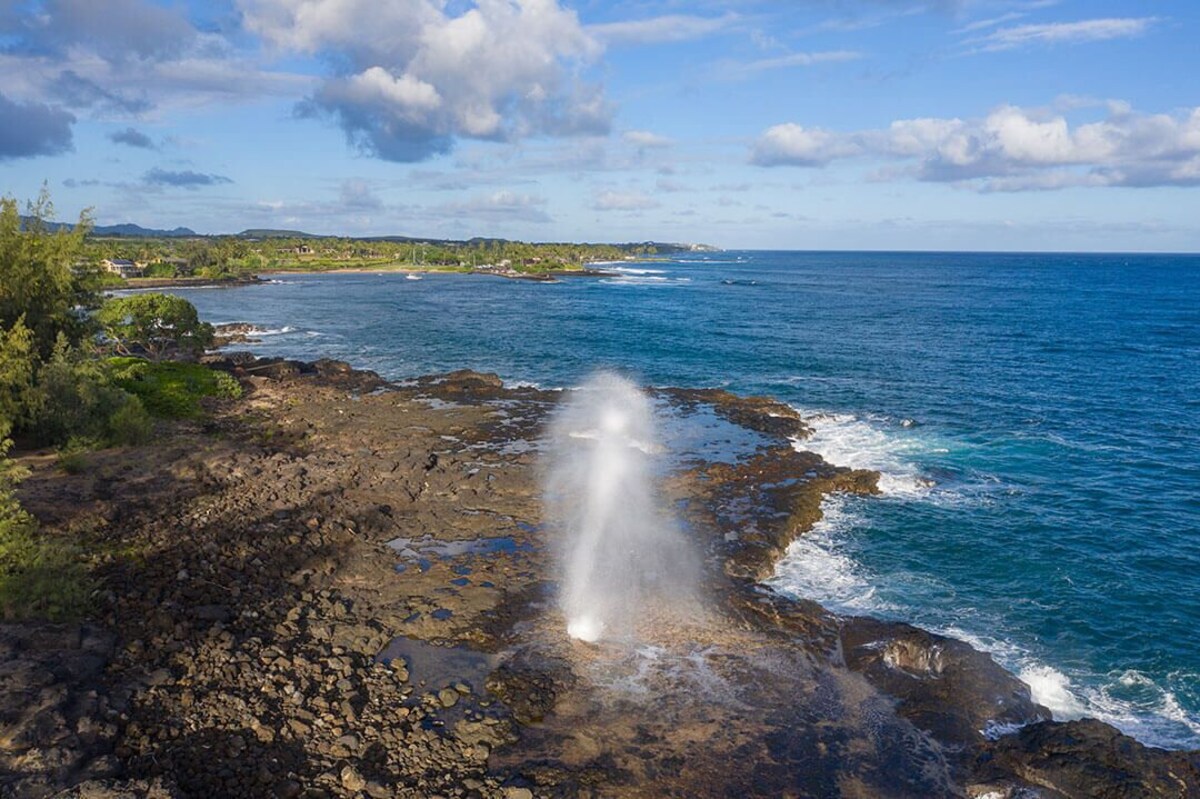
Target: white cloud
(416, 77)
(1051, 33)
(123, 58)
(991, 22)
(796, 145)
(733, 70)
(624, 201)
(1011, 149)
(645, 139)
(668, 28)
(500, 206)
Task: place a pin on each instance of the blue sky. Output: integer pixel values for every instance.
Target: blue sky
(809, 124)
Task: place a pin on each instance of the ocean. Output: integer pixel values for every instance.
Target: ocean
(1034, 417)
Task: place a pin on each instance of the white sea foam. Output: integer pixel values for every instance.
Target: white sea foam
(636, 279)
(530, 384)
(844, 439)
(1130, 700)
(817, 566)
(1052, 688)
(629, 270)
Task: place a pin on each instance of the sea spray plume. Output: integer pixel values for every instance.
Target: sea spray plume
(623, 559)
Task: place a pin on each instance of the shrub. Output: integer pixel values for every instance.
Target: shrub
(72, 458)
(171, 389)
(17, 362)
(130, 425)
(74, 398)
(160, 270)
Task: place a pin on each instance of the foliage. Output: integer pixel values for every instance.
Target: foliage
(156, 324)
(40, 279)
(74, 398)
(39, 577)
(217, 257)
(72, 458)
(171, 389)
(160, 270)
(16, 374)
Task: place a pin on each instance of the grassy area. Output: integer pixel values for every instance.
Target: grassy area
(171, 389)
(40, 577)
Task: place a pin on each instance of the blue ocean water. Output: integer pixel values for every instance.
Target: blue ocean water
(1035, 417)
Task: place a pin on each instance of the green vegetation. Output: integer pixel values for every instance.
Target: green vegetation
(75, 402)
(39, 576)
(59, 388)
(171, 389)
(227, 257)
(155, 324)
(41, 284)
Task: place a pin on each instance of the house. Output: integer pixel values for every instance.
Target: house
(123, 267)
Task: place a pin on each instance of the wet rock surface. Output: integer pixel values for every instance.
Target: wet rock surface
(341, 587)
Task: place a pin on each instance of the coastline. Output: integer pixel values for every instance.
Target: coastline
(326, 544)
(149, 283)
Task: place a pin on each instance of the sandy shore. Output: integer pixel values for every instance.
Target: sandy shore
(341, 587)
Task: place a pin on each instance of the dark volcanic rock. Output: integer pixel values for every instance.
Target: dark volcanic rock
(761, 414)
(56, 727)
(252, 580)
(1090, 759)
(234, 333)
(943, 685)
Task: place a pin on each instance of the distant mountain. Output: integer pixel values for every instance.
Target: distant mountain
(137, 231)
(130, 230)
(269, 233)
(127, 229)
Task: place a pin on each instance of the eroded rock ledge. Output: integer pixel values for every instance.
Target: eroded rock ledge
(254, 569)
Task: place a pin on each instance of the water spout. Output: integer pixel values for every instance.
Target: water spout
(623, 559)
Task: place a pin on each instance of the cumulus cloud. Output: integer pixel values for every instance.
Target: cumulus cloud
(795, 145)
(1011, 149)
(667, 28)
(624, 201)
(1051, 33)
(414, 77)
(32, 129)
(185, 179)
(132, 138)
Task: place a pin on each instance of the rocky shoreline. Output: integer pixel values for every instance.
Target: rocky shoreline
(339, 586)
(145, 283)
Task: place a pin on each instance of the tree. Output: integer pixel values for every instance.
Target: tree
(40, 279)
(16, 375)
(156, 324)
